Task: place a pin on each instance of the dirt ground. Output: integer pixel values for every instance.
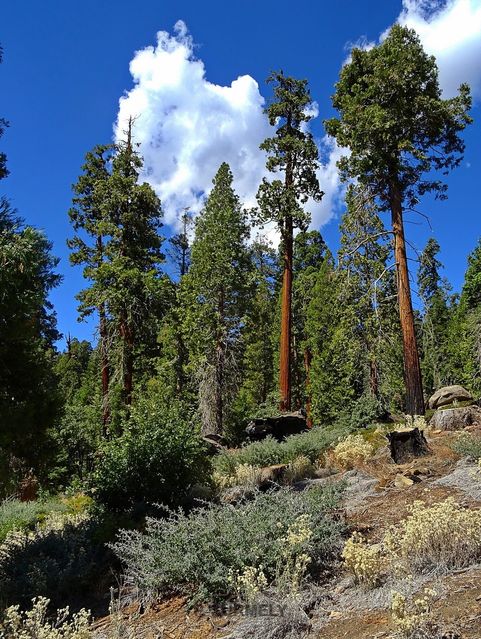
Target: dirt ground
(350, 613)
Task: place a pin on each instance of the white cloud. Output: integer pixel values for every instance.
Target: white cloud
(187, 126)
(452, 32)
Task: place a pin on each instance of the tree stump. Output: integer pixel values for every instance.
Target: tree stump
(406, 444)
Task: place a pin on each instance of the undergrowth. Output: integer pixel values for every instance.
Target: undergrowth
(202, 554)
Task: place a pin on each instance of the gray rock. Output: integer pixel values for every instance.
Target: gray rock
(449, 394)
(456, 418)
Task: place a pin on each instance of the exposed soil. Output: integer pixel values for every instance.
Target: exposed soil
(373, 502)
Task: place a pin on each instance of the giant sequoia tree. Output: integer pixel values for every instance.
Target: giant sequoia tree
(399, 130)
(293, 153)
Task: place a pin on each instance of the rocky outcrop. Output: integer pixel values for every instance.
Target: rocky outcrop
(279, 426)
(449, 394)
(456, 418)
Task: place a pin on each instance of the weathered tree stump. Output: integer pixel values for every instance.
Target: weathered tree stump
(279, 426)
(405, 444)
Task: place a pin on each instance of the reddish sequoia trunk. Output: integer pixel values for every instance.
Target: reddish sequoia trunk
(412, 367)
(286, 320)
(307, 368)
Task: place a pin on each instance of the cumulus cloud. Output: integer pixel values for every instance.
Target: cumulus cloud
(187, 126)
(451, 31)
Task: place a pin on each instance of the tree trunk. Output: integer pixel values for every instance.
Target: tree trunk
(105, 368)
(373, 378)
(219, 369)
(286, 319)
(104, 358)
(412, 367)
(307, 368)
(127, 335)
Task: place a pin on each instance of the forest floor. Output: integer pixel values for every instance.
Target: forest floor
(375, 499)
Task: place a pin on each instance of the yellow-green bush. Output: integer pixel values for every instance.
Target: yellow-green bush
(363, 560)
(352, 451)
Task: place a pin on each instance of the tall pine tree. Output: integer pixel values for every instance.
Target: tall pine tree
(293, 153)
(398, 129)
(216, 291)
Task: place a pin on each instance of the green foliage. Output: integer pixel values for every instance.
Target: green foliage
(28, 330)
(25, 515)
(433, 292)
(468, 445)
(216, 291)
(60, 560)
(293, 152)
(267, 452)
(158, 457)
(472, 279)
(394, 120)
(198, 554)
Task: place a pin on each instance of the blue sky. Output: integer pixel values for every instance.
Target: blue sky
(66, 64)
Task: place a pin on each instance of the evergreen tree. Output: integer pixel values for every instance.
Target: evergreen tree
(398, 129)
(364, 257)
(334, 361)
(121, 254)
(258, 362)
(293, 153)
(309, 254)
(28, 332)
(87, 216)
(216, 291)
(434, 293)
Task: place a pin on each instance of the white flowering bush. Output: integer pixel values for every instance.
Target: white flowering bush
(352, 451)
(294, 557)
(412, 618)
(436, 538)
(416, 421)
(249, 582)
(34, 623)
(365, 561)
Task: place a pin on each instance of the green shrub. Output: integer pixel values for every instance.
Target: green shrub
(25, 515)
(267, 452)
(197, 554)
(59, 560)
(468, 445)
(158, 458)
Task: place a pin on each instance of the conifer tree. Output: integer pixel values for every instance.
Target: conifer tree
(117, 223)
(87, 216)
(293, 153)
(398, 129)
(28, 331)
(309, 254)
(216, 291)
(434, 294)
(258, 362)
(364, 257)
